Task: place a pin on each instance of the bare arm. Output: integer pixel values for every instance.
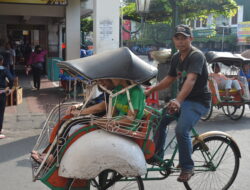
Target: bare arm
(124, 121)
(164, 83)
(97, 108)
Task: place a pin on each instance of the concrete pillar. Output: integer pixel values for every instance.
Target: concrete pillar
(73, 15)
(53, 39)
(106, 29)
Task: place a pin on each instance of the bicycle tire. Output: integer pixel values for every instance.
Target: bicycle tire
(136, 184)
(237, 112)
(225, 111)
(208, 115)
(207, 180)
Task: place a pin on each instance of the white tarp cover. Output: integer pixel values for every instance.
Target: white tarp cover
(100, 150)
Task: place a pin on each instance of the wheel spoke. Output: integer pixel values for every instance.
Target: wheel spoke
(217, 173)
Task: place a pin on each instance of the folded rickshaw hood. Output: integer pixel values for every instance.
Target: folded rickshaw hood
(120, 63)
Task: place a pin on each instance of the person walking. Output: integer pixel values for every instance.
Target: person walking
(4, 73)
(36, 61)
(189, 68)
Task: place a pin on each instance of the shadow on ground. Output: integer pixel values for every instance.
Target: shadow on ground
(17, 148)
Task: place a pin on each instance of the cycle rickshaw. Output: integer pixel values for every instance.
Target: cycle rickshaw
(116, 157)
(232, 63)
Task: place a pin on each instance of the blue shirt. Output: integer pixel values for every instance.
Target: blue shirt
(247, 75)
(5, 73)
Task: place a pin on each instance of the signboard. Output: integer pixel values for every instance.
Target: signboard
(243, 33)
(106, 30)
(36, 2)
(203, 33)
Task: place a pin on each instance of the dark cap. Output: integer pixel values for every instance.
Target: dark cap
(183, 29)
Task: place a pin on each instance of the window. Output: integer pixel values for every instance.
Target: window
(234, 19)
(201, 23)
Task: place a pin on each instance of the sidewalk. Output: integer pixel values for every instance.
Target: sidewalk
(22, 126)
(31, 113)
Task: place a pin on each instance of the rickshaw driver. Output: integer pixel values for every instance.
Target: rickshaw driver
(245, 72)
(189, 66)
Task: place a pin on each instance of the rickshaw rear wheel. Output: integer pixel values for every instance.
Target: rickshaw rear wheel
(111, 180)
(221, 171)
(208, 115)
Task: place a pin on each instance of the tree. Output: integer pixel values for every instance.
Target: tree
(165, 10)
(86, 27)
(173, 12)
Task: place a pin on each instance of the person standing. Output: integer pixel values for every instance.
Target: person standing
(4, 73)
(245, 72)
(189, 68)
(12, 53)
(36, 61)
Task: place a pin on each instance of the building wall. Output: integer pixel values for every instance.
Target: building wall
(32, 10)
(246, 4)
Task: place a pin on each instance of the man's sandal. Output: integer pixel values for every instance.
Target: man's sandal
(185, 176)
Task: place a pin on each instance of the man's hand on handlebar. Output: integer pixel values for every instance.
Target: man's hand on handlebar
(173, 106)
(147, 92)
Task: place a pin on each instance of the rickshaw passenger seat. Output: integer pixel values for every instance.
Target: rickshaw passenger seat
(233, 90)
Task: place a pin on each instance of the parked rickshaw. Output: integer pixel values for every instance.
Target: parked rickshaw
(117, 157)
(235, 107)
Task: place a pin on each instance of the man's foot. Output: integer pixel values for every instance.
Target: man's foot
(185, 176)
(154, 161)
(2, 136)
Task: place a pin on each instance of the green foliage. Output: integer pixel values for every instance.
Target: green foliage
(162, 10)
(87, 25)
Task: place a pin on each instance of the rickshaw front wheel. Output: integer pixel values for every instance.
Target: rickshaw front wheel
(216, 164)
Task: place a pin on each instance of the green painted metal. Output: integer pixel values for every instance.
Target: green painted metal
(55, 166)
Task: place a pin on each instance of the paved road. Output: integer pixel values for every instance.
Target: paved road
(23, 124)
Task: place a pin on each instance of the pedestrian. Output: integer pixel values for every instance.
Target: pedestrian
(36, 61)
(245, 72)
(6, 54)
(12, 53)
(189, 68)
(4, 73)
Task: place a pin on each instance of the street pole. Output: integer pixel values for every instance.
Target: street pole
(222, 43)
(175, 22)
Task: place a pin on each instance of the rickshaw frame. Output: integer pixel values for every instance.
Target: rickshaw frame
(211, 157)
(229, 107)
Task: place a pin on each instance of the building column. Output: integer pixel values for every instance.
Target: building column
(106, 29)
(73, 16)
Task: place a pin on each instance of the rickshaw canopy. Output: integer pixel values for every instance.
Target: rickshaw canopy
(120, 63)
(227, 58)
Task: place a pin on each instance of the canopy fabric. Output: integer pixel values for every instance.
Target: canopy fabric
(227, 58)
(246, 53)
(120, 63)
